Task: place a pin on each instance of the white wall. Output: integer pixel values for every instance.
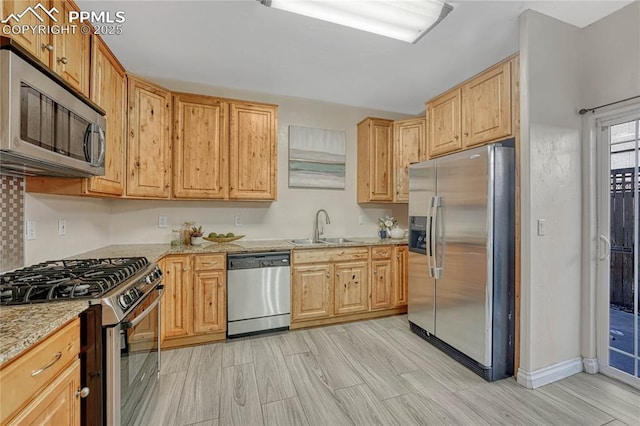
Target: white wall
(551, 191)
(88, 226)
(94, 222)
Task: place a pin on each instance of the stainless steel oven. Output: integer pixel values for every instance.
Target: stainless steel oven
(132, 349)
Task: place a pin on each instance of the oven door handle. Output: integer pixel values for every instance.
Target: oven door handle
(147, 311)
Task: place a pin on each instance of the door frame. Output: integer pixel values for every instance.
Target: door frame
(599, 246)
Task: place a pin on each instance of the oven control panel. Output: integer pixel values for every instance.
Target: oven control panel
(130, 295)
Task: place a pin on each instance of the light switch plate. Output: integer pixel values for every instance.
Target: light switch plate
(162, 221)
(31, 230)
(62, 227)
(542, 229)
(237, 220)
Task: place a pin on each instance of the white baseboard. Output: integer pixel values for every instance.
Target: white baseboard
(591, 365)
(550, 374)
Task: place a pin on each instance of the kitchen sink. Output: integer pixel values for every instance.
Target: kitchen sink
(306, 242)
(335, 240)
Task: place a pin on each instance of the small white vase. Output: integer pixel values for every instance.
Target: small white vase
(398, 233)
(196, 241)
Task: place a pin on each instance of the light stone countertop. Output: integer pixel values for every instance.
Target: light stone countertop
(23, 326)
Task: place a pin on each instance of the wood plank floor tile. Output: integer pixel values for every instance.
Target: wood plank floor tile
(162, 404)
(272, 376)
(411, 410)
(316, 396)
(292, 343)
(213, 422)
(363, 407)
(286, 412)
(595, 393)
(239, 401)
(236, 352)
(378, 375)
(201, 396)
(175, 360)
(338, 371)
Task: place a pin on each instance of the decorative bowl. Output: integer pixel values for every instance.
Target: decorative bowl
(224, 239)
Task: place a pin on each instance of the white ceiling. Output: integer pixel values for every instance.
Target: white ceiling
(243, 45)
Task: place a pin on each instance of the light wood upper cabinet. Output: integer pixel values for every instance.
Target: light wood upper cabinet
(351, 287)
(176, 301)
(409, 145)
(38, 44)
(375, 160)
(200, 147)
(148, 139)
(253, 151)
(109, 90)
(477, 112)
(486, 106)
(71, 57)
(311, 292)
(209, 302)
(443, 114)
(400, 270)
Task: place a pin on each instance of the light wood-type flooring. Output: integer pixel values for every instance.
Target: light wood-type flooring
(365, 373)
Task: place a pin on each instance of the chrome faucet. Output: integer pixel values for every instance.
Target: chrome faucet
(317, 231)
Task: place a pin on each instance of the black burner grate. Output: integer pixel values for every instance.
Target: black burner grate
(67, 279)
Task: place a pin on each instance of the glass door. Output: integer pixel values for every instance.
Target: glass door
(619, 235)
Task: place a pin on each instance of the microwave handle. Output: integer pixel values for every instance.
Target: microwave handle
(88, 136)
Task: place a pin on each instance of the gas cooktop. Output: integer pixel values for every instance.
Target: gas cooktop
(67, 279)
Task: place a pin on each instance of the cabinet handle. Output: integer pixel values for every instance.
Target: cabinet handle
(466, 133)
(397, 256)
(83, 393)
(455, 136)
(55, 359)
(375, 272)
(185, 269)
(328, 276)
(167, 185)
(48, 47)
(63, 60)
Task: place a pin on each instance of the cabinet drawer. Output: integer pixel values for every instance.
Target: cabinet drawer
(36, 368)
(381, 252)
(330, 255)
(205, 262)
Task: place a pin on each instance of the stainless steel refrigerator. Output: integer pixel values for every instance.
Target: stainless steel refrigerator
(461, 256)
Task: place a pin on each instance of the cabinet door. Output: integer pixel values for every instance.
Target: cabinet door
(380, 160)
(443, 116)
(149, 150)
(253, 151)
(351, 287)
(39, 45)
(209, 302)
(177, 300)
(486, 103)
(200, 145)
(409, 147)
(311, 292)
(400, 275)
(381, 284)
(57, 404)
(109, 90)
(71, 57)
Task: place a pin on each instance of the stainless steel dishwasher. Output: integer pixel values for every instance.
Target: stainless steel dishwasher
(258, 292)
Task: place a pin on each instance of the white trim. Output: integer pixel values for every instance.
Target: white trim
(590, 365)
(549, 374)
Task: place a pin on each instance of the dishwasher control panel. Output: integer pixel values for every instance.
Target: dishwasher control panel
(258, 260)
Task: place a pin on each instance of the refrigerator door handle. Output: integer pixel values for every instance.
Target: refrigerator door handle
(436, 231)
(432, 238)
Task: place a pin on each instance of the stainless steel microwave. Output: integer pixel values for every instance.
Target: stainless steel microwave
(45, 128)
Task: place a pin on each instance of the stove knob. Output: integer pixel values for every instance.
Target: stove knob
(148, 279)
(122, 301)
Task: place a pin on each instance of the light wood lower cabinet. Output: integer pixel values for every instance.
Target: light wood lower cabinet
(193, 307)
(39, 386)
(400, 270)
(342, 284)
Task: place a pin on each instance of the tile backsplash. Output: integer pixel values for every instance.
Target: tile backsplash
(12, 223)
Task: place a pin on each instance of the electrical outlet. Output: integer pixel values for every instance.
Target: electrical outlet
(31, 230)
(362, 220)
(162, 221)
(62, 227)
(237, 220)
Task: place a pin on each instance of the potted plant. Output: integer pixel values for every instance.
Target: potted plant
(196, 236)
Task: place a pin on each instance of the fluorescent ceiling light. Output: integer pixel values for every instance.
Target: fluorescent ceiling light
(406, 20)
